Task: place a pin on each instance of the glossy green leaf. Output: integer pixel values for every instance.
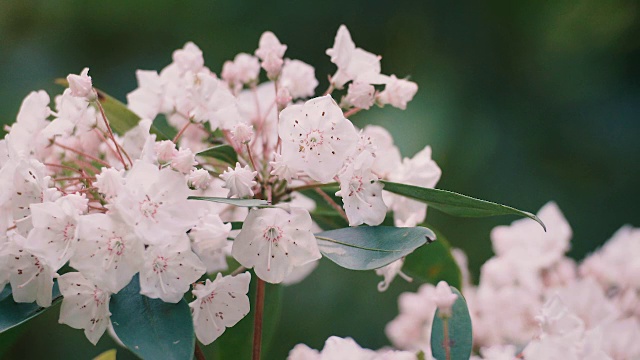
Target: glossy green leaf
(120, 117)
(235, 202)
(13, 314)
(237, 342)
(224, 153)
(433, 263)
(371, 247)
(151, 328)
(456, 204)
(458, 331)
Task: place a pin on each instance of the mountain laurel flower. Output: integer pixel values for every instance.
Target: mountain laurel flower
(219, 304)
(55, 233)
(389, 272)
(108, 251)
(271, 51)
(353, 63)
(283, 97)
(397, 92)
(84, 305)
(242, 133)
(361, 192)
(282, 169)
(244, 69)
(30, 276)
(299, 78)
(189, 58)
(209, 241)
(169, 270)
(444, 298)
(360, 95)
(184, 160)
(198, 179)
(80, 85)
(165, 150)
(273, 241)
(110, 182)
(316, 137)
(239, 181)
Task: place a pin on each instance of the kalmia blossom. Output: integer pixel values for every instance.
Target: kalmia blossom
(30, 276)
(360, 95)
(209, 242)
(298, 78)
(85, 305)
(80, 85)
(198, 179)
(316, 137)
(183, 160)
(219, 304)
(271, 51)
(240, 181)
(273, 241)
(168, 270)
(361, 192)
(108, 251)
(346, 348)
(397, 92)
(244, 69)
(444, 298)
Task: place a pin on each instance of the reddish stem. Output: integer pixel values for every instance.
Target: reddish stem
(257, 320)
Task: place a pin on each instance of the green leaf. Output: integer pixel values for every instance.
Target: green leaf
(456, 204)
(107, 355)
(237, 342)
(236, 202)
(236, 225)
(371, 247)
(13, 314)
(459, 331)
(151, 328)
(327, 219)
(120, 117)
(433, 263)
(224, 153)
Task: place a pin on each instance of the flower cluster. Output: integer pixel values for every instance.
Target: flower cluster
(110, 199)
(533, 302)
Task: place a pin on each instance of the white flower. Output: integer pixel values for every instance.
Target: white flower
(353, 63)
(209, 241)
(244, 69)
(389, 272)
(147, 99)
(239, 181)
(242, 133)
(184, 160)
(271, 51)
(303, 352)
(199, 179)
(80, 85)
(525, 236)
(189, 58)
(316, 137)
(220, 304)
(444, 298)
(422, 171)
(55, 234)
(299, 78)
(361, 192)
(360, 95)
(282, 169)
(283, 97)
(165, 150)
(274, 241)
(31, 277)
(110, 182)
(108, 251)
(154, 203)
(84, 306)
(168, 270)
(397, 92)
(386, 154)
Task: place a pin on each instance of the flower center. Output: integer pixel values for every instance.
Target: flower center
(355, 185)
(148, 208)
(116, 246)
(272, 234)
(160, 264)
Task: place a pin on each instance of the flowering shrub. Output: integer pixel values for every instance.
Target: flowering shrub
(158, 220)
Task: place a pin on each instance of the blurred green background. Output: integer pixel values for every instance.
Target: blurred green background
(522, 101)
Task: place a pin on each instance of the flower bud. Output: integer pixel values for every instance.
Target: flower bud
(80, 85)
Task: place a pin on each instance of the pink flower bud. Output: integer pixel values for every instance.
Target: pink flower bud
(80, 85)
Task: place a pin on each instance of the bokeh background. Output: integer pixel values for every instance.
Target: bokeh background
(522, 101)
